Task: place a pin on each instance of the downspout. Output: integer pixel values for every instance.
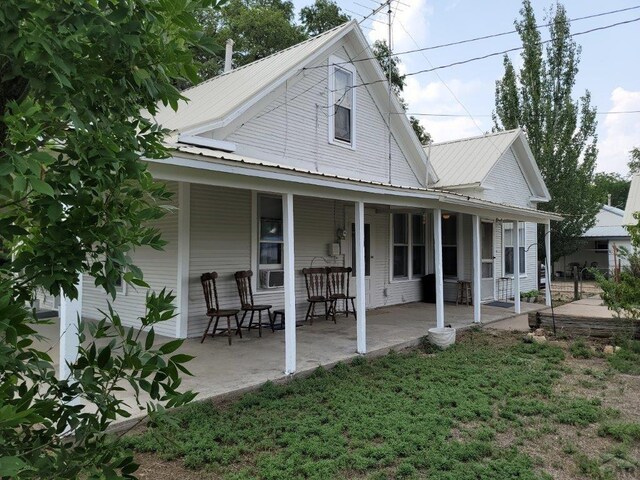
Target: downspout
(228, 56)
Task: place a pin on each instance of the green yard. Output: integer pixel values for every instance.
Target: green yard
(492, 407)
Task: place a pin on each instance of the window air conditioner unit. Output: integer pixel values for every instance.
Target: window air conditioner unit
(271, 278)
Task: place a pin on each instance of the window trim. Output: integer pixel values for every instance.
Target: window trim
(410, 277)
(458, 245)
(336, 62)
(255, 243)
(504, 246)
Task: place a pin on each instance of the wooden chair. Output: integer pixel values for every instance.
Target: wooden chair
(338, 289)
(208, 281)
(243, 281)
(315, 280)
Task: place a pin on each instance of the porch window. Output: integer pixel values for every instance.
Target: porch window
(417, 245)
(449, 245)
(508, 248)
(408, 245)
(341, 102)
(270, 262)
(400, 245)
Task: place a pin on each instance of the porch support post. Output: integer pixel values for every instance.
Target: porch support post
(289, 286)
(547, 266)
(361, 326)
(477, 270)
(184, 241)
(437, 240)
(70, 312)
(516, 266)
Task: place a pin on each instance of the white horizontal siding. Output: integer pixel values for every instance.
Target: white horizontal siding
(159, 268)
(293, 130)
(506, 183)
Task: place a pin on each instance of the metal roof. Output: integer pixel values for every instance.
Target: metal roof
(468, 161)
(606, 231)
(216, 98)
(633, 201)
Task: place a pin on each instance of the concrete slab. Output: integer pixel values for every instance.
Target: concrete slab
(518, 323)
(591, 307)
(222, 370)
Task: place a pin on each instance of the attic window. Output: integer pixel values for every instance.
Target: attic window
(341, 103)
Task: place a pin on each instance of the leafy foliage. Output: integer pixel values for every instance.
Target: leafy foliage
(561, 131)
(634, 162)
(75, 198)
(612, 184)
(323, 15)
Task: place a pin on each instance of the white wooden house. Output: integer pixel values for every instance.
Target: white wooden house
(301, 159)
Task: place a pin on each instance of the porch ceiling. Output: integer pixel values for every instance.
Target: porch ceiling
(214, 167)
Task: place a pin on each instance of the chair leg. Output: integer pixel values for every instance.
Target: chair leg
(334, 304)
(306, 317)
(229, 328)
(238, 325)
(259, 323)
(215, 327)
(326, 311)
(242, 322)
(355, 315)
(346, 306)
(251, 320)
(204, 335)
(272, 320)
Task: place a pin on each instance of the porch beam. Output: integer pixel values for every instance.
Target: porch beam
(477, 270)
(547, 267)
(70, 313)
(516, 267)
(361, 324)
(437, 240)
(289, 285)
(184, 241)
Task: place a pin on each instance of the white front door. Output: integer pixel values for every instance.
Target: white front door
(488, 261)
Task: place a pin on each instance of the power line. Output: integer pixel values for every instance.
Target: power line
(416, 114)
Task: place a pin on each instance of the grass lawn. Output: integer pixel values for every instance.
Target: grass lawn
(492, 407)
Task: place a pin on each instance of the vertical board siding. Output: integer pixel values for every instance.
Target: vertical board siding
(293, 130)
(159, 268)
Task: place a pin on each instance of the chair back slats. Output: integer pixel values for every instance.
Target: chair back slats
(338, 281)
(243, 281)
(315, 280)
(210, 291)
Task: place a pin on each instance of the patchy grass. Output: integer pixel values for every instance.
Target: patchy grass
(488, 408)
(627, 359)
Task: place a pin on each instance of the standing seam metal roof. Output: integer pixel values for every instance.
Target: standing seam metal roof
(469, 160)
(216, 98)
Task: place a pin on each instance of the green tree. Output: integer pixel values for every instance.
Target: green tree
(560, 129)
(612, 184)
(323, 15)
(634, 162)
(75, 198)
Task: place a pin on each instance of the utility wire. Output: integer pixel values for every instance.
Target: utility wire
(416, 114)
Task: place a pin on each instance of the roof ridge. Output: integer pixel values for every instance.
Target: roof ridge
(477, 137)
(274, 54)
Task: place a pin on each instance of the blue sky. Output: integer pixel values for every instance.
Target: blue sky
(609, 68)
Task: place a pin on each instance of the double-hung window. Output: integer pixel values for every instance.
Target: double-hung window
(449, 245)
(408, 245)
(270, 241)
(509, 241)
(341, 102)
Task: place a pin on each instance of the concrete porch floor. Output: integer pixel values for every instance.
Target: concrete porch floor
(219, 369)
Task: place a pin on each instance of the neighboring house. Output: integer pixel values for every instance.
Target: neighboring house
(289, 162)
(633, 201)
(599, 246)
(500, 168)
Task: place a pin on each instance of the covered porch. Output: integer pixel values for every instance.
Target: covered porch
(219, 369)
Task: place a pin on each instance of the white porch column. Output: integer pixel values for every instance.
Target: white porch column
(516, 266)
(69, 313)
(437, 240)
(289, 286)
(361, 327)
(547, 266)
(477, 270)
(184, 240)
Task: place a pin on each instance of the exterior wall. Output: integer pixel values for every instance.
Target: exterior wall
(588, 255)
(506, 183)
(293, 130)
(160, 271)
(528, 280)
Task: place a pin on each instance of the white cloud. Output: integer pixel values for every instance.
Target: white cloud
(621, 132)
(413, 16)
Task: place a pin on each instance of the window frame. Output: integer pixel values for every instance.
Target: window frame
(523, 246)
(257, 266)
(456, 219)
(337, 63)
(411, 276)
